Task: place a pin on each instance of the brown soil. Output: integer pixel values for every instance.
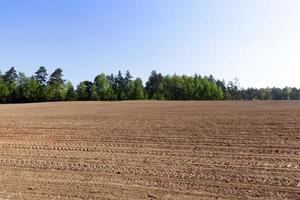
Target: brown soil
(150, 150)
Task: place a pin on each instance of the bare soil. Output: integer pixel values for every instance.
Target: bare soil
(150, 150)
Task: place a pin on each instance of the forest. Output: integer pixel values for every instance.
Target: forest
(41, 87)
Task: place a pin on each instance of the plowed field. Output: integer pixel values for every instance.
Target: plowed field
(150, 150)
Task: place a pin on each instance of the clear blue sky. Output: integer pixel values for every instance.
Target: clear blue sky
(257, 41)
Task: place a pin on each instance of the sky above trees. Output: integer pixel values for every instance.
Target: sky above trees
(254, 40)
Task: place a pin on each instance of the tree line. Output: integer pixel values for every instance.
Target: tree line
(40, 87)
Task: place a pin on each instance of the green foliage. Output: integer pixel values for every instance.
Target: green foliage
(127, 84)
(82, 91)
(70, 92)
(56, 86)
(10, 76)
(4, 92)
(103, 88)
(56, 78)
(41, 75)
(30, 90)
(86, 91)
(232, 92)
(137, 89)
(155, 86)
(119, 84)
(20, 88)
(10, 80)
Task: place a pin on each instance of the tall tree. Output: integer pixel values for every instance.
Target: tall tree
(82, 91)
(103, 88)
(56, 78)
(41, 75)
(113, 85)
(264, 94)
(127, 84)
(70, 92)
(10, 76)
(22, 80)
(233, 90)
(294, 94)
(137, 89)
(120, 86)
(4, 92)
(86, 90)
(10, 79)
(154, 86)
(222, 85)
(277, 94)
(56, 83)
(31, 90)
